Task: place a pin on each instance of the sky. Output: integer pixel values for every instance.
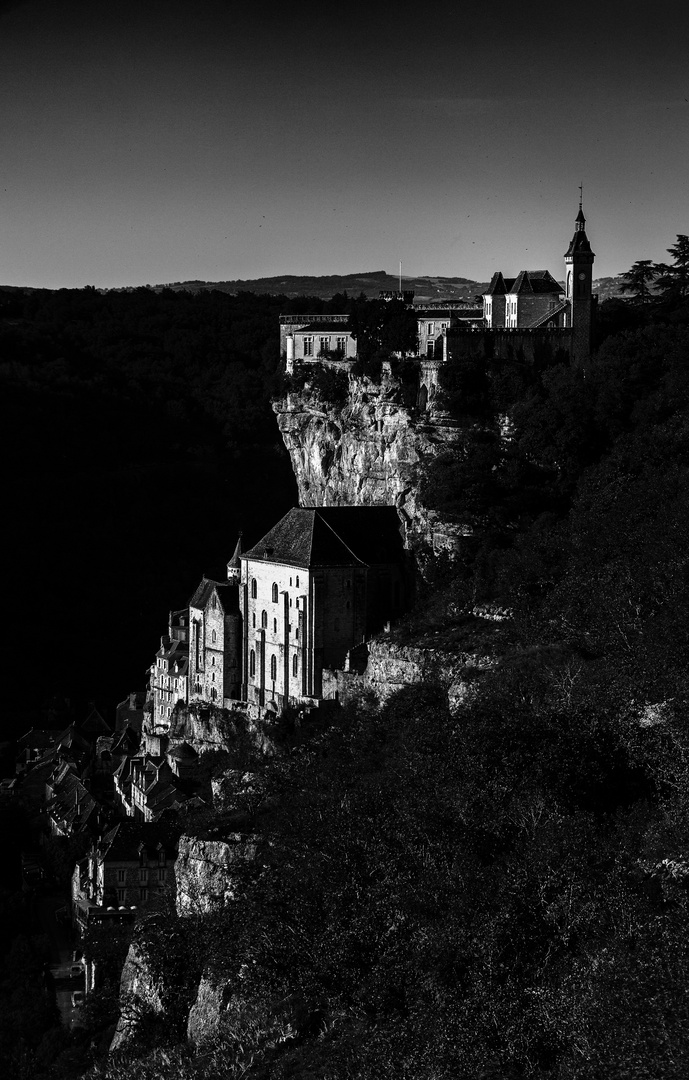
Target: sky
(150, 142)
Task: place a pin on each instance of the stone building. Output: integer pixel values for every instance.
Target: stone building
(525, 301)
(532, 316)
(169, 673)
(214, 642)
(316, 586)
(308, 337)
(125, 868)
(434, 320)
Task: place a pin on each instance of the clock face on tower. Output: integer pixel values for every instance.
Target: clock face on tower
(582, 276)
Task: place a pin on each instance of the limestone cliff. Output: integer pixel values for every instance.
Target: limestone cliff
(370, 451)
(157, 987)
(205, 871)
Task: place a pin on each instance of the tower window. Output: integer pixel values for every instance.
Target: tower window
(275, 626)
(253, 588)
(214, 637)
(253, 619)
(264, 618)
(275, 593)
(252, 663)
(273, 668)
(295, 664)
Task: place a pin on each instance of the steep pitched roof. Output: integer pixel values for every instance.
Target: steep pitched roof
(235, 562)
(227, 593)
(535, 281)
(332, 536)
(579, 243)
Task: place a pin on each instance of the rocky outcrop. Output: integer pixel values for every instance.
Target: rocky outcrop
(371, 451)
(393, 666)
(206, 1013)
(205, 871)
(206, 727)
(142, 999)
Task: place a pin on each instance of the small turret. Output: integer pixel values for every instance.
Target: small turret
(234, 566)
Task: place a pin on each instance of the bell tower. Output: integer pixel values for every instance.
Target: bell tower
(578, 287)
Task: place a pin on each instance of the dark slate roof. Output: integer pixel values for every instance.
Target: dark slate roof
(535, 281)
(228, 594)
(123, 840)
(332, 536)
(235, 561)
(95, 724)
(579, 243)
(499, 285)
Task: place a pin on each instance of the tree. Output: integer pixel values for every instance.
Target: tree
(639, 279)
(673, 280)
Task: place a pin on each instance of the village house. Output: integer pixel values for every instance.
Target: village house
(127, 867)
(169, 673)
(308, 337)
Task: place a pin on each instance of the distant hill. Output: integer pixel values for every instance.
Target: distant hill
(607, 287)
(370, 283)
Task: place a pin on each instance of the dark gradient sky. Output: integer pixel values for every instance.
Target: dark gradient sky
(151, 142)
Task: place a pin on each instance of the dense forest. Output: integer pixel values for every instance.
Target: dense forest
(499, 892)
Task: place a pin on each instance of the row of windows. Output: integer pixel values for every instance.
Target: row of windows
(273, 665)
(274, 591)
(325, 345)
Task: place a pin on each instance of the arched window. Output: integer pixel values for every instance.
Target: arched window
(295, 664)
(214, 637)
(214, 693)
(253, 588)
(275, 626)
(275, 593)
(253, 618)
(297, 582)
(273, 668)
(264, 618)
(252, 663)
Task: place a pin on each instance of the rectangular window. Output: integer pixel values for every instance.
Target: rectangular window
(431, 328)
(121, 877)
(342, 349)
(324, 344)
(161, 875)
(121, 896)
(308, 346)
(143, 893)
(143, 876)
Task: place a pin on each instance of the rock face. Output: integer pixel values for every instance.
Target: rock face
(205, 871)
(393, 667)
(141, 998)
(372, 452)
(207, 1011)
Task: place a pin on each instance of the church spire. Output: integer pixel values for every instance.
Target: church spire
(234, 566)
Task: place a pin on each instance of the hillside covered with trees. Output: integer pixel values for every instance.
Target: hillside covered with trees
(500, 891)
